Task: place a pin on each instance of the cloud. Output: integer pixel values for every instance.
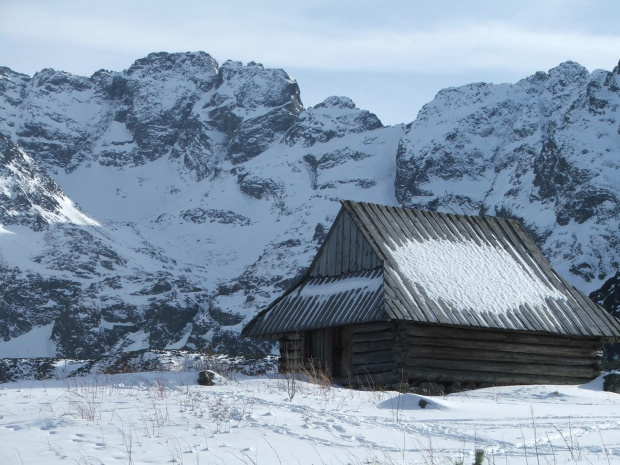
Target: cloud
(311, 36)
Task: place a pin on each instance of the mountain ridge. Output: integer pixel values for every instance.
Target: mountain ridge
(205, 189)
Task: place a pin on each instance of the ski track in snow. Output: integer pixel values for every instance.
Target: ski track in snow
(167, 418)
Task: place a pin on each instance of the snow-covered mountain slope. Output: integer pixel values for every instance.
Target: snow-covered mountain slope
(209, 189)
(545, 150)
(164, 205)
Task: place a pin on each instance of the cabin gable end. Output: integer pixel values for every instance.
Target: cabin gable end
(345, 250)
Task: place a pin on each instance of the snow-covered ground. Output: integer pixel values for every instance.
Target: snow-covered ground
(166, 417)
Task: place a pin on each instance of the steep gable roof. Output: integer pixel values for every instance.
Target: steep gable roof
(447, 269)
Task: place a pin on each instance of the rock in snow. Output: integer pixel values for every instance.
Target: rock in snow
(164, 205)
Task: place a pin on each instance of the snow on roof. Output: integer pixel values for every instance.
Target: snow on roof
(471, 276)
(322, 302)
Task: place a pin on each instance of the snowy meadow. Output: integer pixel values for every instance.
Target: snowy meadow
(166, 417)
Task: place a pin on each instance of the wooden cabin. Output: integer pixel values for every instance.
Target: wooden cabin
(396, 295)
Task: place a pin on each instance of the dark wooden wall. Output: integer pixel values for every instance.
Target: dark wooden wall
(447, 354)
(354, 355)
(382, 354)
(345, 250)
(372, 355)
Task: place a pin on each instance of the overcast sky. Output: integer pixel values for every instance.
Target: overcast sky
(389, 56)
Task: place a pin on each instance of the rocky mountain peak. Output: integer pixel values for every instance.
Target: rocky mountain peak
(50, 80)
(254, 86)
(334, 117)
(162, 64)
(336, 102)
(12, 87)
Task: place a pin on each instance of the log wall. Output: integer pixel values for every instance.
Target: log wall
(355, 355)
(385, 353)
(372, 354)
(445, 354)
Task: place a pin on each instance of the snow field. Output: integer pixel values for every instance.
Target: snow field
(165, 417)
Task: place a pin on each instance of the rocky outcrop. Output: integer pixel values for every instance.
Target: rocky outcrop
(543, 150)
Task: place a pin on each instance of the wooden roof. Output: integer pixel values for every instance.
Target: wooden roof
(319, 302)
(445, 269)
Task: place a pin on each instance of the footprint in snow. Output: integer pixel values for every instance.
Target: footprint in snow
(339, 428)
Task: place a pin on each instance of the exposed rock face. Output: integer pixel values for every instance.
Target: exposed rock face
(194, 211)
(28, 195)
(334, 117)
(204, 191)
(180, 104)
(543, 150)
(608, 296)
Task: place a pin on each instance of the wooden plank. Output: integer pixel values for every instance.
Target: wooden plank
(357, 299)
(473, 223)
(367, 228)
(366, 358)
(498, 336)
(587, 311)
(305, 315)
(415, 222)
(372, 368)
(410, 301)
(335, 257)
(540, 323)
(489, 234)
(395, 309)
(497, 379)
(353, 251)
(364, 308)
(453, 233)
(316, 268)
(514, 246)
(394, 295)
(371, 346)
(368, 255)
(371, 327)
(472, 232)
(434, 224)
(504, 367)
(432, 312)
(515, 243)
(400, 225)
(440, 308)
(372, 336)
(425, 222)
(324, 310)
(390, 224)
(376, 308)
(508, 347)
(387, 235)
(432, 352)
(402, 230)
(334, 308)
(346, 244)
(458, 229)
(407, 224)
(563, 325)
